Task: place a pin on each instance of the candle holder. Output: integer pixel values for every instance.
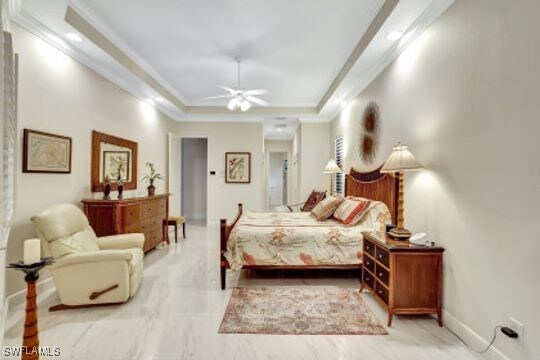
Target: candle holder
(30, 337)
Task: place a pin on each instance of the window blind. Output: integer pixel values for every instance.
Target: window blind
(338, 155)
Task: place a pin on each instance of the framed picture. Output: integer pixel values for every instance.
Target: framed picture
(46, 153)
(116, 165)
(238, 167)
(111, 155)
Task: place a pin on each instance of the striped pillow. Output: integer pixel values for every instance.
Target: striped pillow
(352, 211)
(326, 207)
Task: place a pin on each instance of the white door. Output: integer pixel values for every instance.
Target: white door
(275, 182)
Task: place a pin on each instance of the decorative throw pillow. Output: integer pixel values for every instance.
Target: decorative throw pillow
(326, 208)
(352, 211)
(314, 198)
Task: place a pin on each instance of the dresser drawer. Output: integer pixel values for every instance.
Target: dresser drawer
(369, 247)
(156, 222)
(153, 208)
(381, 292)
(369, 263)
(131, 214)
(368, 279)
(138, 227)
(382, 256)
(382, 274)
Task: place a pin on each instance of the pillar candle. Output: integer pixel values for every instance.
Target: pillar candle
(32, 251)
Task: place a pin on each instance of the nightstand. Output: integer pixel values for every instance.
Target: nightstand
(404, 278)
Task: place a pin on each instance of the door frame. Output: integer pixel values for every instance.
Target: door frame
(288, 188)
(174, 181)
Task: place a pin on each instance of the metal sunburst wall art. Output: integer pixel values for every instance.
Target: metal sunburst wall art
(369, 138)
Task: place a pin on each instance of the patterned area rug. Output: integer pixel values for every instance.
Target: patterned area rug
(299, 311)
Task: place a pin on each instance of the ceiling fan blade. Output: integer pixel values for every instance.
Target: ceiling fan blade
(256, 92)
(218, 97)
(226, 88)
(257, 101)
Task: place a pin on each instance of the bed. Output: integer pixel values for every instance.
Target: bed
(265, 240)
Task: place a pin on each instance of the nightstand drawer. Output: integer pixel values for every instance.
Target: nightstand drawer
(381, 292)
(382, 274)
(369, 247)
(369, 263)
(368, 279)
(382, 256)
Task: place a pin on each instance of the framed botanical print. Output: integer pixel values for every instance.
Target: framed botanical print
(116, 165)
(113, 158)
(238, 167)
(46, 153)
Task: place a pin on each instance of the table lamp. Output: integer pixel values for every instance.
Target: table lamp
(332, 168)
(400, 161)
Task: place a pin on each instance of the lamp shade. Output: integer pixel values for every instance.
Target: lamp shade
(331, 168)
(401, 159)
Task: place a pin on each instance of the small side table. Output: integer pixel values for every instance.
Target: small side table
(404, 278)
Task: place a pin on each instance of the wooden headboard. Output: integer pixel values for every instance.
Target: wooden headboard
(374, 185)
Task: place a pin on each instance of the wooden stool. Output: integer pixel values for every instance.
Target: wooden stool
(175, 221)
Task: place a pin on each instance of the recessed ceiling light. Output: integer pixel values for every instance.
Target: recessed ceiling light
(74, 37)
(150, 101)
(279, 129)
(394, 35)
(159, 99)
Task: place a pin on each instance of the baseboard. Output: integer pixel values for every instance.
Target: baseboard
(19, 297)
(471, 338)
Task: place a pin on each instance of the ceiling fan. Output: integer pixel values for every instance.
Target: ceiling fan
(241, 98)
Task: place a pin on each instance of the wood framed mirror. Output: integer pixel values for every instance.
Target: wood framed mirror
(109, 154)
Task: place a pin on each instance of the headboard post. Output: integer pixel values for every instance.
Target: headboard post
(376, 186)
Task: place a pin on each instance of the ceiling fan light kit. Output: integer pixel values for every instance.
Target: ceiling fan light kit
(241, 99)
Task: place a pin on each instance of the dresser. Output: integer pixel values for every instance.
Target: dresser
(404, 278)
(135, 215)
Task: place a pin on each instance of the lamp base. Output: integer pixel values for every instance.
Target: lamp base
(399, 233)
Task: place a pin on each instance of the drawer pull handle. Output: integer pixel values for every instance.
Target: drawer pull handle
(380, 292)
(368, 278)
(381, 256)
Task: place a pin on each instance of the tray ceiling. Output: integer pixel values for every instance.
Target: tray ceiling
(302, 51)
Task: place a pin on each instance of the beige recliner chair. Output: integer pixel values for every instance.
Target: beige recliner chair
(88, 270)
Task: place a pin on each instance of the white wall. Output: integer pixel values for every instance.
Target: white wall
(59, 95)
(314, 155)
(229, 137)
(194, 178)
(465, 99)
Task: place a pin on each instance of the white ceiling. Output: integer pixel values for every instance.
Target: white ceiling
(280, 128)
(293, 48)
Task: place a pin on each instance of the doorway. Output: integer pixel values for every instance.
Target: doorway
(194, 178)
(277, 180)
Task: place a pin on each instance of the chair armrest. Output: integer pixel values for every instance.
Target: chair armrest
(93, 257)
(121, 241)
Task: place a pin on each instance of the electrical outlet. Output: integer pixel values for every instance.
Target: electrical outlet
(518, 327)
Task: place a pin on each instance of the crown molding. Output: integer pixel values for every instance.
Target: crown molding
(84, 20)
(435, 9)
(380, 18)
(30, 23)
(272, 110)
(84, 27)
(90, 16)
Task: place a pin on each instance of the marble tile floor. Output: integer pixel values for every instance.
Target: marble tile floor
(178, 309)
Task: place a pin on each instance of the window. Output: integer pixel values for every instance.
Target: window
(338, 155)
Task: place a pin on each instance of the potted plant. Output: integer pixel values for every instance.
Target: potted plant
(151, 178)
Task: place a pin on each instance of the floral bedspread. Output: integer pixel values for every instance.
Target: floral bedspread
(297, 238)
